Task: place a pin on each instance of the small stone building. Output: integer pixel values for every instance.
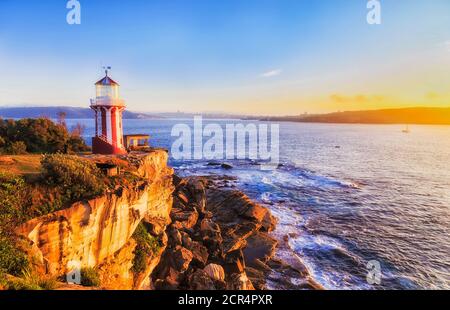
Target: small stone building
(109, 170)
(137, 142)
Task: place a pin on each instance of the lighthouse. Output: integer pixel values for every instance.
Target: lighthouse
(108, 108)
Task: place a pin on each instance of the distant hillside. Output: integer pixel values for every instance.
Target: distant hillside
(206, 115)
(52, 112)
(424, 116)
(80, 113)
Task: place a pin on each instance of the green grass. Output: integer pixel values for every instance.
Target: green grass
(22, 164)
(12, 260)
(90, 277)
(147, 246)
(30, 281)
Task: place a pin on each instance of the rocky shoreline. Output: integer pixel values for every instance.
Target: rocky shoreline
(221, 239)
(218, 239)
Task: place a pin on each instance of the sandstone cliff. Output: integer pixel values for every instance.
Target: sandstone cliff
(98, 233)
(156, 230)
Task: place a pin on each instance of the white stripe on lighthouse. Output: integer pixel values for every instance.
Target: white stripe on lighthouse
(108, 125)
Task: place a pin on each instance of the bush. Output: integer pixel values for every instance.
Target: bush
(77, 144)
(14, 200)
(139, 260)
(22, 285)
(77, 178)
(31, 281)
(38, 136)
(147, 246)
(21, 201)
(47, 283)
(3, 279)
(89, 277)
(12, 260)
(17, 148)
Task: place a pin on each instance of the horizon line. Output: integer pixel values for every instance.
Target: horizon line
(231, 113)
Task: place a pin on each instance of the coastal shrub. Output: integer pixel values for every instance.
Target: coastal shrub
(90, 277)
(39, 135)
(17, 148)
(21, 201)
(14, 200)
(139, 260)
(46, 202)
(22, 285)
(31, 281)
(77, 144)
(147, 245)
(3, 280)
(76, 177)
(47, 283)
(12, 260)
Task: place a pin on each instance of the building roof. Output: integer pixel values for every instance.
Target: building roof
(107, 81)
(137, 136)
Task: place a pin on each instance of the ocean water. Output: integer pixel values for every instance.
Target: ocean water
(346, 195)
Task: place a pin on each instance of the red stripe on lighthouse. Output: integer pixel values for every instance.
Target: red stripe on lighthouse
(113, 126)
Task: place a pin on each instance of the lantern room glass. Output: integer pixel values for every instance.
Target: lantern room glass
(109, 91)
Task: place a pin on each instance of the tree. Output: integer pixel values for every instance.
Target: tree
(40, 136)
(62, 118)
(78, 130)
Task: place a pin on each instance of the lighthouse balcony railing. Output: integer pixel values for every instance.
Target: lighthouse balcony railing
(107, 101)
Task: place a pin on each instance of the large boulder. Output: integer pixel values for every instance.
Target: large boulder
(199, 253)
(235, 262)
(215, 272)
(186, 219)
(261, 247)
(239, 282)
(200, 280)
(269, 222)
(181, 258)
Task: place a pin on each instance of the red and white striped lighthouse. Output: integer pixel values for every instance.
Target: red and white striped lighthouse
(108, 108)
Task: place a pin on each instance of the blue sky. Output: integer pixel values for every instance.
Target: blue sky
(243, 56)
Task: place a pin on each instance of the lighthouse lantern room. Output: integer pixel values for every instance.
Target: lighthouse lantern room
(108, 108)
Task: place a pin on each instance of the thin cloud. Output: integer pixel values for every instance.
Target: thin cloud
(359, 99)
(445, 45)
(271, 73)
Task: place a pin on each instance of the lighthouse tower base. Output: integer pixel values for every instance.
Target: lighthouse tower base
(100, 146)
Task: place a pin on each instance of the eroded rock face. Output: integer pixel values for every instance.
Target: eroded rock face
(115, 271)
(226, 223)
(97, 233)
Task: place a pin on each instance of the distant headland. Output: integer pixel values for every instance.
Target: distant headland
(419, 116)
(415, 115)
